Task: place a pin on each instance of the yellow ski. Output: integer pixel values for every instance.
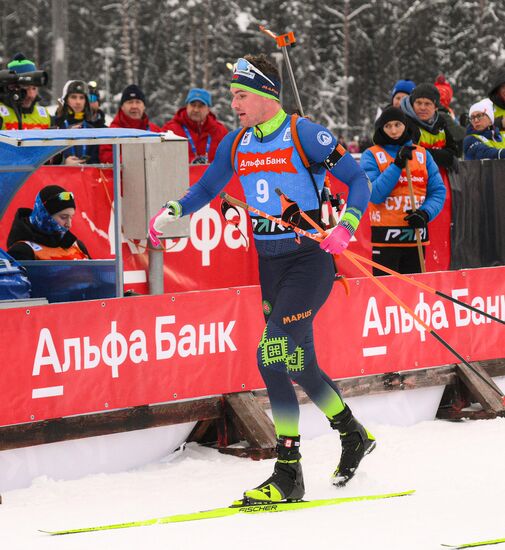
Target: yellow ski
(237, 508)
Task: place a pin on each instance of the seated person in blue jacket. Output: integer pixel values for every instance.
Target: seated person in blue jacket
(43, 233)
(483, 139)
(392, 218)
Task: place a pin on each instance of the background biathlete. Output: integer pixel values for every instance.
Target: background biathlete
(296, 276)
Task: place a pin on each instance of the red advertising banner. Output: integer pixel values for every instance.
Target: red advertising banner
(82, 357)
(438, 253)
(215, 256)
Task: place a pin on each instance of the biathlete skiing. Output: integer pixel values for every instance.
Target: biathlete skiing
(296, 274)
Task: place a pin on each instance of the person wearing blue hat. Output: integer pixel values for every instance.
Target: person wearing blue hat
(21, 111)
(196, 122)
(401, 89)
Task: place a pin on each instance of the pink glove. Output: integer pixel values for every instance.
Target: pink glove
(169, 213)
(337, 241)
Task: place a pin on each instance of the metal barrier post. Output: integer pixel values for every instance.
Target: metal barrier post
(156, 283)
(118, 235)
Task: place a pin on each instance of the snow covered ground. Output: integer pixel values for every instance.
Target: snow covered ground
(457, 470)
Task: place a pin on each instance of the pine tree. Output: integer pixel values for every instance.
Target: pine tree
(349, 53)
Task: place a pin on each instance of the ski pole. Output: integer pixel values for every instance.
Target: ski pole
(236, 202)
(349, 254)
(416, 230)
(283, 41)
(395, 298)
(279, 221)
(430, 330)
(425, 287)
(399, 275)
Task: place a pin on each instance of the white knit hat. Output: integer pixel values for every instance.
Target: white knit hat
(73, 86)
(483, 106)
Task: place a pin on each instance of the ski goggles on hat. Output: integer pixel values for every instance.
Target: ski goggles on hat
(248, 77)
(63, 196)
(246, 68)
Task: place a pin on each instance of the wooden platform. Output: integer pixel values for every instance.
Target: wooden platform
(237, 423)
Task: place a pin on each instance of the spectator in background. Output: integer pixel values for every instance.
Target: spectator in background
(497, 96)
(364, 143)
(401, 89)
(483, 140)
(445, 111)
(391, 217)
(75, 112)
(131, 114)
(97, 115)
(341, 139)
(196, 122)
(25, 113)
(43, 233)
(446, 94)
(421, 107)
(353, 145)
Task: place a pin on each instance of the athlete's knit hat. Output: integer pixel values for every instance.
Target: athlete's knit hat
(247, 77)
(20, 64)
(425, 90)
(55, 199)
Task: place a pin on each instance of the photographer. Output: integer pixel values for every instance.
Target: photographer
(19, 87)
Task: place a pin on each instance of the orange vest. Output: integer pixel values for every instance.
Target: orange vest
(386, 219)
(42, 252)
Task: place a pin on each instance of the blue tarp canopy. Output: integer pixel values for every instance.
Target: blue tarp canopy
(23, 151)
(79, 136)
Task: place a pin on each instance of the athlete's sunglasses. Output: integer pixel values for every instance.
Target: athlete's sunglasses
(247, 69)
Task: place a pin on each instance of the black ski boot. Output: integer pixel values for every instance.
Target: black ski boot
(356, 442)
(286, 483)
